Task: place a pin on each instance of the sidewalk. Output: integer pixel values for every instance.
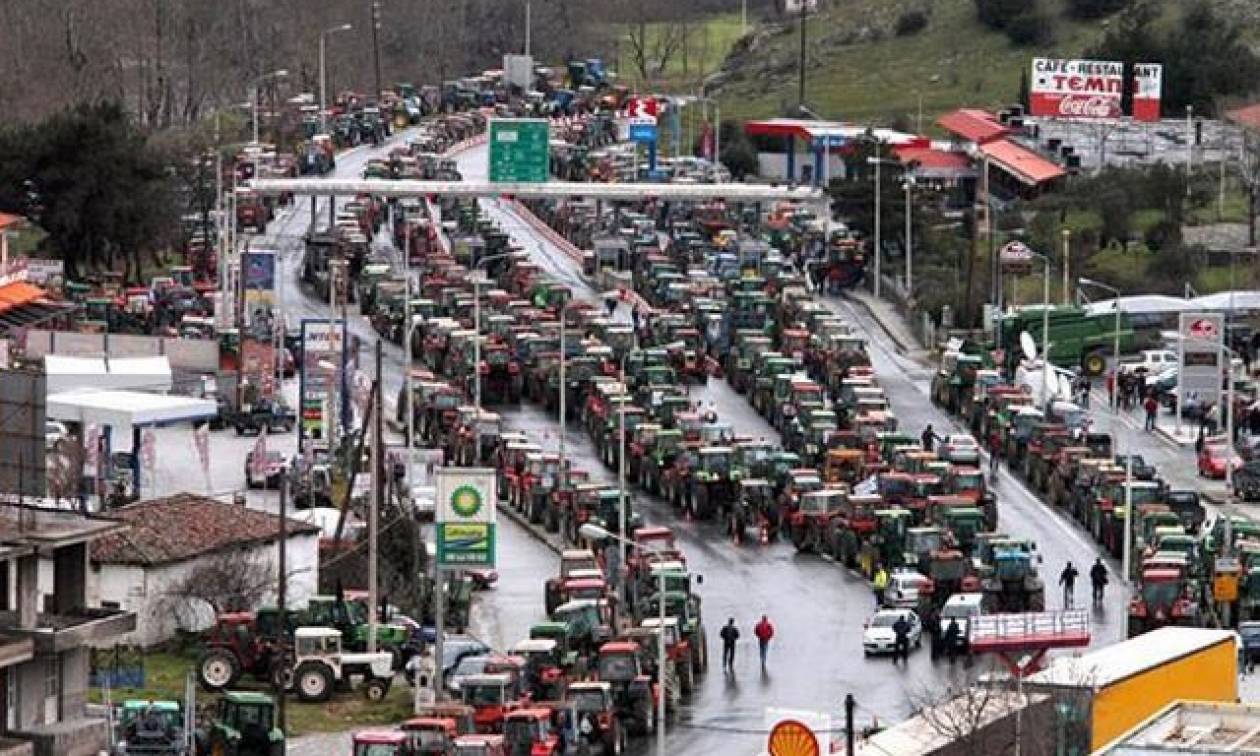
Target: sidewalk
(892, 322)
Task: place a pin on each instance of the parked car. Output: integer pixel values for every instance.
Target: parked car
(879, 636)
(903, 588)
(1214, 457)
(468, 665)
(1151, 361)
(960, 449)
(268, 474)
(53, 432)
(959, 608)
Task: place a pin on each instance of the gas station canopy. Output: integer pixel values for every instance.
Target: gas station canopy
(126, 408)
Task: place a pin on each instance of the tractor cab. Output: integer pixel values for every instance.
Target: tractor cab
(151, 726)
(245, 722)
(479, 745)
(491, 696)
(430, 736)
(384, 743)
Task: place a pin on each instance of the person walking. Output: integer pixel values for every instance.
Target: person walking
(901, 642)
(1067, 579)
(729, 634)
(1098, 579)
(1087, 388)
(880, 584)
(1111, 388)
(928, 438)
(1151, 406)
(764, 631)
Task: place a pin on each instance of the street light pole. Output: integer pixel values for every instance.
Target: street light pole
(1127, 550)
(1067, 262)
(909, 242)
(564, 387)
(878, 240)
(528, 23)
(621, 472)
(323, 74)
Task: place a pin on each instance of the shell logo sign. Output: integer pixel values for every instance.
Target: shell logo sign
(1203, 328)
(791, 738)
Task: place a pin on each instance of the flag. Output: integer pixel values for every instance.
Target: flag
(201, 439)
(258, 463)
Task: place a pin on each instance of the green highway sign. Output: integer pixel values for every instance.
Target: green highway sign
(519, 150)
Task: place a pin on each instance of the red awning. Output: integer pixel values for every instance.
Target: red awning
(1022, 163)
(779, 127)
(18, 294)
(7, 220)
(973, 125)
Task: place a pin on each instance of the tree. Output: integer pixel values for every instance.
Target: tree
(738, 154)
(997, 14)
(233, 581)
(90, 179)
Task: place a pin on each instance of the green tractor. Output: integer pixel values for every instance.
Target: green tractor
(712, 487)
(153, 728)
(351, 618)
(685, 607)
(244, 725)
(964, 524)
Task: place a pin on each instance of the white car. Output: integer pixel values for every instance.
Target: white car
(1151, 362)
(879, 636)
(960, 449)
(903, 589)
(54, 431)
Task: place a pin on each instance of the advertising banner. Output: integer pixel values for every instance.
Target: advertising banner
(1199, 374)
(465, 510)
(1076, 88)
(1148, 84)
(323, 349)
(260, 287)
(258, 365)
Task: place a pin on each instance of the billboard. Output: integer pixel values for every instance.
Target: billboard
(258, 365)
(465, 509)
(1199, 375)
(1076, 88)
(323, 345)
(1148, 84)
(260, 288)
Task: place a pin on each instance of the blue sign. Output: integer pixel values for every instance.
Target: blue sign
(643, 133)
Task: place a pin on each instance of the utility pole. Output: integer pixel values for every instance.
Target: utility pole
(800, 91)
(528, 23)
(282, 588)
(376, 47)
(377, 499)
(849, 706)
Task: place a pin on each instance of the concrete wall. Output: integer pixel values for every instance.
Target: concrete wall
(193, 355)
(159, 615)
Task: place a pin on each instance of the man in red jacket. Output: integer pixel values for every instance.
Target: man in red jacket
(764, 632)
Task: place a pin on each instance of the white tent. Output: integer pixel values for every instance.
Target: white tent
(1142, 303)
(1241, 299)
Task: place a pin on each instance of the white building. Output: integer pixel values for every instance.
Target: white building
(143, 568)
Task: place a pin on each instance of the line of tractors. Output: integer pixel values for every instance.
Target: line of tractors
(1188, 568)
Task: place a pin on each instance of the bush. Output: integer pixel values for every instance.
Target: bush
(997, 14)
(1030, 28)
(1089, 9)
(911, 22)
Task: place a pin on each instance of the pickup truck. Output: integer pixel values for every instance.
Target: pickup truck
(1151, 361)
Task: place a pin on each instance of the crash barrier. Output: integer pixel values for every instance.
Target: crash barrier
(568, 248)
(189, 355)
(467, 144)
(1029, 630)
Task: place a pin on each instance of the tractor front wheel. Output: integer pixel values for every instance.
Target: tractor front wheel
(376, 689)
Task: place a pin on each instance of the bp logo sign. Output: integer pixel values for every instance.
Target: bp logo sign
(466, 501)
(465, 495)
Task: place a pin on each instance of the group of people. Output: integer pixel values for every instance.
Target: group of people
(1097, 577)
(764, 632)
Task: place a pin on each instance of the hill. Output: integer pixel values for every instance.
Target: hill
(859, 70)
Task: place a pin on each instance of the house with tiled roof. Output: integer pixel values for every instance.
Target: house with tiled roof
(143, 568)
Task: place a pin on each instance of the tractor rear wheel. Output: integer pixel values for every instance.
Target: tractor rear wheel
(218, 669)
(314, 682)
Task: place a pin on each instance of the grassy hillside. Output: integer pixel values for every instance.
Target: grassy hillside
(708, 42)
(858, 70)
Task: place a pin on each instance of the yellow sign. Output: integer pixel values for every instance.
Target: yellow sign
(791, 738)
(1225, 588)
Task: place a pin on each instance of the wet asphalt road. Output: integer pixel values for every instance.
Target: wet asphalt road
(817, 607)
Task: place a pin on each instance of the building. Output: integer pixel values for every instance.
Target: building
(46, 627)
(1192, 727)
(141, 569)
(978, 721)
(1015, 169)
(812, 152)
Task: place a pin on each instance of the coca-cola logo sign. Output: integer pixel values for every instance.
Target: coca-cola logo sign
(1089, 107)
(1203, 328)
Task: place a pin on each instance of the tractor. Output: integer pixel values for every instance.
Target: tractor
(151, 728)
(243, 642)
(711, 485)
(809, 525)
(570, 560)
(755, 505)
(245, 725)
(1008, 576)
(634, 691)
(1164, 597)
(596, 710)
(492, 696)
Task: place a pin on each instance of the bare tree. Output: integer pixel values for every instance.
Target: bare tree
(232, 581)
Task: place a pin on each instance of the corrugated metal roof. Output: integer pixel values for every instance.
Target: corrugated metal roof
(973, 124)
(1021, 162)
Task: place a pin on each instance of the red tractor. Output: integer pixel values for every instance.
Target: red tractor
(243, 642)
(634, 691)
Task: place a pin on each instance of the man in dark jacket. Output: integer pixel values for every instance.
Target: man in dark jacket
(901, 647)
(729, 635)
(1098, 578)
(1067, 579)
